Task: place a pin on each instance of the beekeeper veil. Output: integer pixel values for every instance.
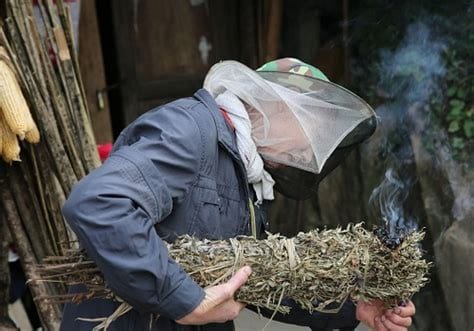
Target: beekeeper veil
(298, 119)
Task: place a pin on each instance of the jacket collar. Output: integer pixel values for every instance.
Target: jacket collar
(224, 134)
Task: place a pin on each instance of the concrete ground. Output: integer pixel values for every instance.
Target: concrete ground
(18, 315)
(247, 321)
(250, 321)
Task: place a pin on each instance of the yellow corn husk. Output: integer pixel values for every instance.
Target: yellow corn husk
(5, 57)
(12, 101)
(10, 146)
(32, 135)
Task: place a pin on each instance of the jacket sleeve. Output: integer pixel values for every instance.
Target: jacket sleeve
(343, 320)
(114, 209)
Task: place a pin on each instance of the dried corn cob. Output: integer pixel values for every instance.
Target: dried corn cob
(4, 57)
(10, 146)
(33, 135)
(13, 104)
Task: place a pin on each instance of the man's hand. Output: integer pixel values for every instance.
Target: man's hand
(219, 305)
(374, 315)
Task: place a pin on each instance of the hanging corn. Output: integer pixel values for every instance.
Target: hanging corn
(13, 104)
(10, 146)
(15, 116)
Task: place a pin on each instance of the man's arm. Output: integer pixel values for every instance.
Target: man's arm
(114, 209)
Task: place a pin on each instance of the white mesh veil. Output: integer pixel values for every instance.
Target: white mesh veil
(299, 125)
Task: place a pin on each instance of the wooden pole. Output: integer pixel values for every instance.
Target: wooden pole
(33, 192)
(46, 120)
(5, 322)
(48, 311)
(72, 81)
(273, 29)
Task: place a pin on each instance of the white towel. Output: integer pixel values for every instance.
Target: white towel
(260, 179)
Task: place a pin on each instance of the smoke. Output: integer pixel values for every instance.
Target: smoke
(460, 182)
(410, 73)
(409, 76)
(388, 199)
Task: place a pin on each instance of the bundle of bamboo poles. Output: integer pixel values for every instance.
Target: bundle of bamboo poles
(32, 191)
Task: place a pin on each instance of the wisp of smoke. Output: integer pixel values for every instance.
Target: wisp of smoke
(410, 72)
(388, 199)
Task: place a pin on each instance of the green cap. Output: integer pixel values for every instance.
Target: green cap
(295, 66)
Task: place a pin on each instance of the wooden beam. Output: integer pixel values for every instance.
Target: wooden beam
(249, 21)
(5, 322)
(273, 29)
(223, 16)
(47, 310)
(92, 72)
(124, 16)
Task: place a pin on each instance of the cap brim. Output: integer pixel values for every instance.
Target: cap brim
(329, 92)
(306, 84)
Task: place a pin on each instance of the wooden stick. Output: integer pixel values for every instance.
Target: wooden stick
(51, 88)
(30, 221)
(67, 151)
(37, 155)
(4, 270)
(46, 120)
(56, 201)
(47, 310)
(47, 82)
(273, 29)
(70, 82)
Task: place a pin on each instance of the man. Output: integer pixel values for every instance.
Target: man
(196, 166)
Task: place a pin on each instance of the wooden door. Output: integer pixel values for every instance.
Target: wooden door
(164, 48)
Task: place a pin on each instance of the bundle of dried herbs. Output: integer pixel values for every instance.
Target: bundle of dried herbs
(322, 267)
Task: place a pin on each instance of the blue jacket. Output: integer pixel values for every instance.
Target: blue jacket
(174, 170)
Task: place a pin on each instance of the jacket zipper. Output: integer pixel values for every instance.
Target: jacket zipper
(243, 177)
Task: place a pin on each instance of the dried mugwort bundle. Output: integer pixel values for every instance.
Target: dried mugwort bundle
(316, 269)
